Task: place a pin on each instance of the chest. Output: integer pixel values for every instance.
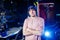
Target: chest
(34, 23)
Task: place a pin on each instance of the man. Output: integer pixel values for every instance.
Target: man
(33, 25)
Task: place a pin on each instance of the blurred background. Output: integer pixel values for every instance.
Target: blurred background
(14, 12)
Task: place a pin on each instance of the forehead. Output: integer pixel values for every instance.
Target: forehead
(31, 10)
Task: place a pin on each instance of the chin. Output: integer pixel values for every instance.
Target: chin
(33, 16)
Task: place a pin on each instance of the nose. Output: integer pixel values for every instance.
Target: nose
(32, 11)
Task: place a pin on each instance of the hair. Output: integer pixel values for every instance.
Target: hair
(32, 7)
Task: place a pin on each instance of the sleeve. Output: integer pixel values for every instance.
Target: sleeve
(25, 32)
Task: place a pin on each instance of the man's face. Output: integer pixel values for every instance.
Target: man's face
(32, 12)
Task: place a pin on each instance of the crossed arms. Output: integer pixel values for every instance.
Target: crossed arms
(29, 31)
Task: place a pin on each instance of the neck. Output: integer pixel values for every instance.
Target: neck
(33, 17)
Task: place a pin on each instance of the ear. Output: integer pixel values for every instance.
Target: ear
(28, 14)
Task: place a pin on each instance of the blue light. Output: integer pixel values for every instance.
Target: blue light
(47, 34)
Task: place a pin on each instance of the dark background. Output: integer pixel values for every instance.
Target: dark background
(16, 12)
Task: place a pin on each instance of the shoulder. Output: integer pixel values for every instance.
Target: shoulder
(40, 18)
(27, 19)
